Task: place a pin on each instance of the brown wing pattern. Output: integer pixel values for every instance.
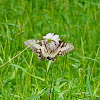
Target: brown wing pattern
(66, 47)
(36, 46)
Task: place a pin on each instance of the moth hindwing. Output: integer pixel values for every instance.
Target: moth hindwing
(41, 50)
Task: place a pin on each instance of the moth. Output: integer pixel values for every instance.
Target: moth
(39, 47)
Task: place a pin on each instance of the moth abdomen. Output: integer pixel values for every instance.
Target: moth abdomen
(49, 58)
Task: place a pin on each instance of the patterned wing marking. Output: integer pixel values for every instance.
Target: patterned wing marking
(61, 50)
(36, 44)
(36, 47)
(42, 52)
(67, 47)
(54, 54)
(50, 55)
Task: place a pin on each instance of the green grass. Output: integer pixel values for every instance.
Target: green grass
(75, 76)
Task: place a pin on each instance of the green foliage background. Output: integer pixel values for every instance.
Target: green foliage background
(75, 76)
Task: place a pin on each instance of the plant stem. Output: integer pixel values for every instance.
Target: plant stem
(49, 64)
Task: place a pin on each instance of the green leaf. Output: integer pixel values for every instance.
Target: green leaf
(48, 66)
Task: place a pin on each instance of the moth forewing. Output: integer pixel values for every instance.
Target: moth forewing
(33, 44)
(29, 42)
(69, 47)
(43, 50)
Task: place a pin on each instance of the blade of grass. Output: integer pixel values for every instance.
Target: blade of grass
(48, 66)
(27, 72)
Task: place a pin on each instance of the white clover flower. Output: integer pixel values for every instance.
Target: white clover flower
(52, 37)
(52, 41)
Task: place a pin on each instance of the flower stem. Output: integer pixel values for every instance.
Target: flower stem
(48, 67)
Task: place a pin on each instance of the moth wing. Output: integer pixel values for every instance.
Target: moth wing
(34, 44)
(67, 47)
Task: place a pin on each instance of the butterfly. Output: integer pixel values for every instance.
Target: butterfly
(39, 47)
